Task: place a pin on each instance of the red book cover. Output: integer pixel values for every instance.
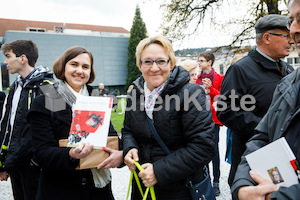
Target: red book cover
(90, 121)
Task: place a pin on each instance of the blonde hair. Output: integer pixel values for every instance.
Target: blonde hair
(189, 65)
(129, 88)
(160, 40)
(235, 59)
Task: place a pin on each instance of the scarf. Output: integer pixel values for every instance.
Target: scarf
(150, 98)
(210, 75)
(101, 177)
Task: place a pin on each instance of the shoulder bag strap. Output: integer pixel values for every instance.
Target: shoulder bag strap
(157, 137)
(166, 150)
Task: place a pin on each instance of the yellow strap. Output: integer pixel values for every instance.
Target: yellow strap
(152, 193)
(146, 193)
(50, 82)
(139, 184)
(131, 176)
(0, 164)
(4, 147)
(29, 98)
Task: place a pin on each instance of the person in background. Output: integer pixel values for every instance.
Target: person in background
(281, 120)
(103, 91)
(191, 67)
(129, 88)
(114, 94)
(211, 81)
(59, 177)
(16, 155)
(191, 142)
(256, 75)
(229, 131)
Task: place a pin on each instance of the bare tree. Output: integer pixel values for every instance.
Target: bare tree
(182, 18)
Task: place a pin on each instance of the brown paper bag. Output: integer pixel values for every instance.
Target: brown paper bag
(97, 155)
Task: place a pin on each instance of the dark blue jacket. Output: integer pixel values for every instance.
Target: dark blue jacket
(20, 147)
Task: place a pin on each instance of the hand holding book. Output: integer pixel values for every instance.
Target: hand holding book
(262, 190)
(81, 151)
(274, 163)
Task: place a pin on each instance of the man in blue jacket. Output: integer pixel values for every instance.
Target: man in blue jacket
(15, 136)
(281, 120)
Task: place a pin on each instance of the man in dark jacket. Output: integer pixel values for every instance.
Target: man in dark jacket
(281, 120)
(15, 136)
(248, 85)
(102, 91)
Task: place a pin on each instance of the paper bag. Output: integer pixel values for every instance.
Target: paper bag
(97, 155)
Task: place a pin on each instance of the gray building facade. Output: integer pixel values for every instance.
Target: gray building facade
(110, 53)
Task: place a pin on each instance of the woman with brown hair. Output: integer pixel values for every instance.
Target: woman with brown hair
(59, 177)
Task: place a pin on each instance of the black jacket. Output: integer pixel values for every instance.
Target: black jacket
(188, 133)
(59, 179)
(20, 148)
(2, 98)
(252, 75)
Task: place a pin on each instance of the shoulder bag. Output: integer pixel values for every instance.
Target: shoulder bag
(199, 191)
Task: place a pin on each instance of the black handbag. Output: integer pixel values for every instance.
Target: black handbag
(199, 191)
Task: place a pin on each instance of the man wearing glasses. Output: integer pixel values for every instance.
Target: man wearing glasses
(281, 120)
(211, 81)
(257, 75)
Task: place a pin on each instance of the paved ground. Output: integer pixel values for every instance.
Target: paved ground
(121, 177)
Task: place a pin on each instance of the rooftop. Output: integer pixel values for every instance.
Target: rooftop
(39, 26)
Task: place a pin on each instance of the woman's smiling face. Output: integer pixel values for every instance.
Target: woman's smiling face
(155, 75)
(77, 71)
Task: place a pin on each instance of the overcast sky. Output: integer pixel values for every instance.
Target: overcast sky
(108, 13)
(96, 12)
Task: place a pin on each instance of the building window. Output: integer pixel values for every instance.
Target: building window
(32, 29)
(58, 29)
(294, 61)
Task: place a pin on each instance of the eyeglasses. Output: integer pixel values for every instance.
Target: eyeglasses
(287, 36)
(159, 62)
(290, 20)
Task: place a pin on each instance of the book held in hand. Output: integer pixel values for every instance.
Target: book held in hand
(275, 162)
(90, 121)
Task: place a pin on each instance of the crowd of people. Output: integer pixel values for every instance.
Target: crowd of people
(171, 126)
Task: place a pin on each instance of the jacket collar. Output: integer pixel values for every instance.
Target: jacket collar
(261, 60)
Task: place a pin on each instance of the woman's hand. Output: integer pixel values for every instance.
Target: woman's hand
(4, 176)
(260, 192)
(132, 154)
(147, 175)
(82, 151)
(115, 159)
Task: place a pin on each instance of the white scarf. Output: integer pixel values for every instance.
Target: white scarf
(101, 176)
